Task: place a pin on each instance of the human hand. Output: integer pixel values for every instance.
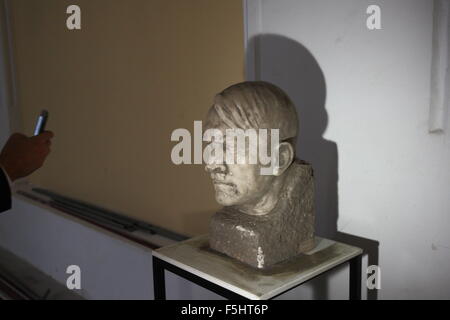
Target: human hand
(22, 155)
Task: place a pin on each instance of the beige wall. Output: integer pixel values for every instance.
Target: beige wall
(116, 90)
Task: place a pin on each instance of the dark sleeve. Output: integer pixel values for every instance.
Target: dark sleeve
(5, 192)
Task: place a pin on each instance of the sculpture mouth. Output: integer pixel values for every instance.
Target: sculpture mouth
(216, 182)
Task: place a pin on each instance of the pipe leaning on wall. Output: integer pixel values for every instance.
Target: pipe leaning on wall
(440, 78)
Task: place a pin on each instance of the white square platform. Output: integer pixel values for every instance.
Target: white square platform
(195, 256)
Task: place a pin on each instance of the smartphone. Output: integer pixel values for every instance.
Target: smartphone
(40, 123)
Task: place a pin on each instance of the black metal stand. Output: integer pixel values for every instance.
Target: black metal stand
(159, 266)
(355, 278)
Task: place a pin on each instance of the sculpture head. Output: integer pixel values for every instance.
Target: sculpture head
(252, 105)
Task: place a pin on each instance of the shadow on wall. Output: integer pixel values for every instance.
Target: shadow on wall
(293, 68)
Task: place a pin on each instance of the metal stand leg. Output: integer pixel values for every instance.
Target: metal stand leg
(159, 281)
(355, 278)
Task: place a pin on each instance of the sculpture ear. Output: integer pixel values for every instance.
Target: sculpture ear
(286, 156)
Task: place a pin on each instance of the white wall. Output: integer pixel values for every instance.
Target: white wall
(363, 99)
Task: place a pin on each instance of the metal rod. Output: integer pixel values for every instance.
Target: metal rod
(355, 278)
(159, 280)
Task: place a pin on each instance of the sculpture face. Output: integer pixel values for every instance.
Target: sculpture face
(244, 106)
(239, 185)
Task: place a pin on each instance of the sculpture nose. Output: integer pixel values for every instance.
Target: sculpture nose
(215, 168)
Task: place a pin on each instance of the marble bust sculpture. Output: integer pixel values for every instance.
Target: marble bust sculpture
(265, 219)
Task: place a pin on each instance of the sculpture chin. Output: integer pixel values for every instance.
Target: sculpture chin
(224, 201)
(226, 194)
